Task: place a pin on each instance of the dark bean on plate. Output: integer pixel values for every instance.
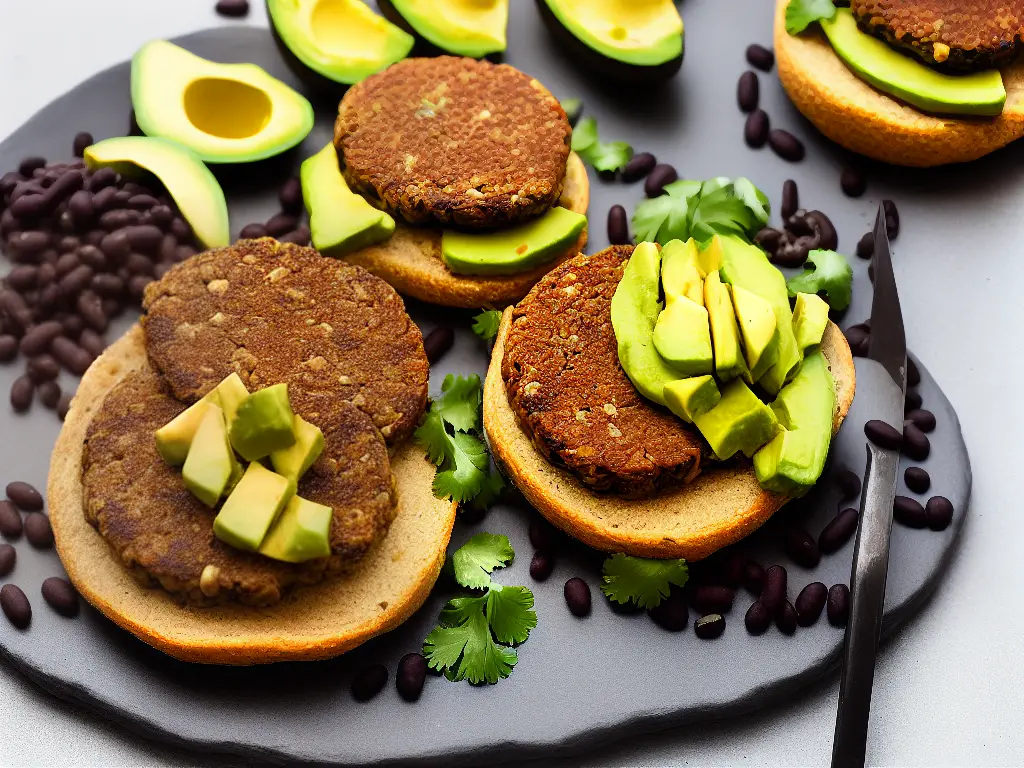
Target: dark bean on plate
(81, 142)
(786, 145)
(924, 420)
(883, 435)
(76, 281)
(853, 182)
(939, 511)
(671, 613)
(139, 264)
(280, 223)
(801, 547)
(252, 232)
(104, 177)
(857, 338)
(61, 596)
(758, 618)
(8, 348)
(73, 325)
(49, 394)
(917, 479)
(438, 342)
(369, 681)
(543, 535)
(38, 531)
(8, 557)
(184, 252)
(290, 196)
(24, 496)
(300, 236)
(90, 308)
(119, 218)
(753, 578)
(232, 9)
(756, 129)
(28, 242)
(909, 512)
(137, 285)
(65, 186)
(915, 442)
(892, 218)
(541, 566)
(411, 675)
(760, 57)
(618, 226)
(23, 277)
(769, 239)
(913, 400)
(64, 405)
(142, 202)
(104, 199)
(577, 597)
(708, 598)
(106, 284)
(838, 531)
(38, 338)
(748, 91)
(22, 392)
(66, 264)
(15, 606)
(660, 175)
(790, 199)
(181, 230)
(828, 238)
(92, 342)
(10, 520)
(145, 238)
(774, 592)
(639, 166)
(810, 602)
(785, 618)
(17, 312)
(31, 164)
(913, 373)
(709, 627)
(838, 606)
(71, 356)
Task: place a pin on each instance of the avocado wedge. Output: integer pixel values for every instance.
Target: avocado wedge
(474, 28)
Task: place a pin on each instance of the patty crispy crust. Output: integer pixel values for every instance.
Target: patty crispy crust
(564, 382)
(949, 35)
(451, 140)
(274, 313)
(164, 535)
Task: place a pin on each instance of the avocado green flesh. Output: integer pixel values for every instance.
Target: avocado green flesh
(646, 33)
(301, 533)
(758, 329)
(208, 466)
(252, 507)
(174, 439)
(294, 461)
(224, 113)
(725, 334)
(740, 422)
(810, 318)
(193, 187)
(682, 336)
(687, 398)
(230, 394)
(342, 40)
(474, 28)
(879, 65)
(340, 221)
(512, 250)
(263, 424)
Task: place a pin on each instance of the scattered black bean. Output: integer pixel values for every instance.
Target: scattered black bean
(15, 606)
(618, 226)
(769, 239)
(61, 596)
(10, 520)
(30, 165)
(760, 57)
(756, 129)
(753, 578)
(892, 219)
(758, 618)
(785, 618)
(119, 218)
(913, 400)
(786, 145)
(38, 531)
(858, 340)
(145, 238)
(71, 356)
(438, 342)
(909, 512)
(252, 232)
(280, 224)
(883, 435)
(541, 566)
(849, 484)
(923, 420)
(915, 442)
(232, 9)
(810, 602)
(709, 598)
(709, 627)
(732, 572)
(38, 338)
(774, 592)
(577, 596)
(412, 673)
(8, 348)
(290, 196)
(8, 557)
(853, 182)
(671, 613)
(639, 166)
(913, 373)
(543, 535)
(866, 246)
(748, 91)
(790, 199)
(299, 236)
(22, 393)
(917, 479)
(939, 511)
(49, 394)
(828, 238)
(801, 547)
(660, 175)
(838, 610)
(838, 531)
(369, 681)
(81, 142)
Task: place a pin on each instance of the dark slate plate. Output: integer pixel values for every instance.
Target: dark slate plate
(579, 683)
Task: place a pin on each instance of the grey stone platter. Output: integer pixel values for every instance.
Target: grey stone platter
(579, 682)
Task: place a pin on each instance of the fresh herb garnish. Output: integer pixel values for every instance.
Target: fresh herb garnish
(465, 645)
(800, 14)
(831, 273)
(573, 109)
(611, 156)
(701, 210)
(641, 580)
(485, 325)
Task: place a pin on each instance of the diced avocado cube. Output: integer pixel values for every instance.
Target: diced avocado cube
(810, 318)
(230, 392)
(264, 423)
(725, 335)
(681, 272)
(252, 507)
(301, 533)
(294, 461)
(682, 336)
(687, 398)
(208, 467)
(175, 438)
(739, 423)
(758, 330)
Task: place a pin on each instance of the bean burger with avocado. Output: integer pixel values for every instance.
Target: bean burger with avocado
(666, 401)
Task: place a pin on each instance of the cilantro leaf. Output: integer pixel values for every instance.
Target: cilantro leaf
(701, 210)
(485, 325)
(490, 491)
(432, 435)
(460, 402)
(510, 613)
(800, 14)
(462, 646)
(610, 156)
(831, 273)
(474, 560)
(573, 109)
(584, 135)
(465, 468)
(641, 580)
(666, 217)
(752, 197)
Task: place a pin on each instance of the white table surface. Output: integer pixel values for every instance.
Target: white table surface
(949, 687)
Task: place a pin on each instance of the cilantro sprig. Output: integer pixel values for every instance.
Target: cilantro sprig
(702, 209)
(610, 156)
(641, 580)
(830, 272)
(485, 325)
(474, 635)
(800, 14)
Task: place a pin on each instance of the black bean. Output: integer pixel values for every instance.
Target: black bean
(71, 356)
(774, 592)
(915, 442)
(786, 145)
(76, 281)
(748, 91)
(73, 325)
(119, 218)
(412, 673)
(104, 177)
(756, 129)
(90, 308)
(438, 342)
(233, 9)
(104, 199)
(81, 142)
(732, 572)
(543, 535)
(138, 264)
(8, 557)
(13, 305)
(828, 238)
(61, 596)
(660, 175)
(838, 610)
(769, 239)
(913, 373)
(757, 618)
(753, 578)
(299, 236)
(639, 166)
(108, 285)
(23, 277)
(143, 203)
(68, 262)
(8, 348)
(712, 599)
(671, 613)
(290, 196)
(38, 338)
(892, 219)
(939, 511)
(810, 602)
(137, 285)
(883, 435)
(161, 215)
(31, 164)
(280, 223)
(369, 681)
(8, 182)
(618, 226)
(24, 496)
(838, 531)
(917, 479)
(68, 183)
(27, 207)
(181, 230)
(123, 195)
(541, 566)
(912, 401)
(49, 394)
(790, 199)
(64, 405)
(858, 340)
(15, 606)
(115, 246)
(801, 547)
(709, 627)
(853, 182)
(909, 512)
(22, 393)
(92, 342)
(923, 420)
(252, 232)
(184, 252)
(760, 57)
(10, 520)
(168, 252)
(68, 243)
(577, 597)
(145, 238)
(785, 619)
(28, 243)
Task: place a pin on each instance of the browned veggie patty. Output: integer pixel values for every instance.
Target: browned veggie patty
(278, 313)
(949, 35)
(164, 535)
(564, 381)
(454, 140)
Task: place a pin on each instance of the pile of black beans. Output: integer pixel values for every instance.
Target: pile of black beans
(802, 231)
(287, 226)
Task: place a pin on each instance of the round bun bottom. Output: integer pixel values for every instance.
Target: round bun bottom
(310, 623)
(720, 507)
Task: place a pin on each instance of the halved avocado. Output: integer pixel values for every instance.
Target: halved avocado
(340, 40)
(225, 113)
(631, 40)
(195, 190)
(474, 28)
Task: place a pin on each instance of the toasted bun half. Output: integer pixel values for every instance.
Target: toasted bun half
(720, 507)
(314, 622)
(411, 259)
(866, 121)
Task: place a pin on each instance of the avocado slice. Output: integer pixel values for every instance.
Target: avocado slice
(810, 318)
(194, 189)
(294, 461)
(230, 393)
(623, 39)
(175, 438)
(515, 249)
(681, 272)
(224, 113)
(208, 467)
(263, 424)
(340, 221)
(747, 266)
(474, 28)
(758, 330)
(682, 336)
(301, 533)
(252, 507)
(692, 397)
(725, 334)
(793, 461)
(340, 40)
(739, 423)
(888, 70)
(635, 308)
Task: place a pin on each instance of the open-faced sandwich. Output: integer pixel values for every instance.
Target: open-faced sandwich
(235, 482)
(909, 82)
(665, 427)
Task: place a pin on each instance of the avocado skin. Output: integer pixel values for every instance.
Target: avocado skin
(423, 46)
(600, 65)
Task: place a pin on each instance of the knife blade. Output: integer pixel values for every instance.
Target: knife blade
(887, 349)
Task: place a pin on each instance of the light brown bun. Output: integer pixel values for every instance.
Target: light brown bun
(866, 121)
(411, 259)
(314, 622)
(720, 507)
